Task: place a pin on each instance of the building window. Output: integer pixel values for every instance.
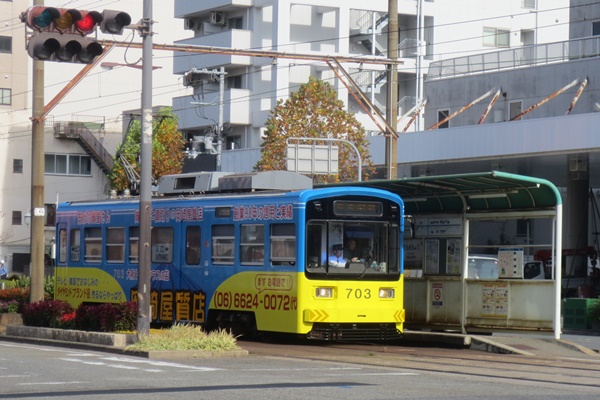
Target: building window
(528, 4)
(68, 164)
(17, 218)
(234, 82)
(514, 109)
(496, 37)
(596, 28)
(235, 23)
(5, 97)
(17, 166)
(442, 115)
(50, 214)
(5, 44)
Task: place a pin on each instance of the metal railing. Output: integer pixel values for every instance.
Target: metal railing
(80, 132)
(526, 56)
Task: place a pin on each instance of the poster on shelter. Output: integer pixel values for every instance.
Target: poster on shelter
(413, 254)
(453, 251)
(432, 256)
(494, 300)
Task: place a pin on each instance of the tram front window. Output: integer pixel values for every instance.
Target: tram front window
(360, 248)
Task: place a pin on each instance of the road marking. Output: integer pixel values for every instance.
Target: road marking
(380, 374)
(49, 383)
(135, 364)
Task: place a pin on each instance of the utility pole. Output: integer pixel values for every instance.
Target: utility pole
(420, 53)
(221, 111)
(37, 181)
(391, 143)
(145, 266)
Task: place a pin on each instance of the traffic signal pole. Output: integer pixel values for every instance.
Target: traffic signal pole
(145, 271)
(37, 182)
(56, 34)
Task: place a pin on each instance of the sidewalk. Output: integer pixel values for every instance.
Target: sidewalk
(527, 344)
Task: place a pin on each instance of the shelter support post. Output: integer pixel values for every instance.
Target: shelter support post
(557, 246)
(464, 274)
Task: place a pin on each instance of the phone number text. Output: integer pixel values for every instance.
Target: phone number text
(250, 301)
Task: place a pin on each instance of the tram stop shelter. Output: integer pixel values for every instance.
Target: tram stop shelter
(440, 211)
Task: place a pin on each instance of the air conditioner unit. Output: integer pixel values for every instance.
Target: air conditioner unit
(217, 18)
(192, 24)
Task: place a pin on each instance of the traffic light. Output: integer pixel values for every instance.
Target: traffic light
(114, 21)
(60, 34)
(63, 48)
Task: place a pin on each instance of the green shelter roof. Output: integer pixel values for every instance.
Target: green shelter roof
(479, 192)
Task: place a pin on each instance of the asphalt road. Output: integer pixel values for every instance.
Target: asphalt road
(29, 371)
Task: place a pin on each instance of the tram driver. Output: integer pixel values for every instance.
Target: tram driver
(336, 259)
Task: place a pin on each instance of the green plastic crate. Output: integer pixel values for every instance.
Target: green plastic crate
(574, 313)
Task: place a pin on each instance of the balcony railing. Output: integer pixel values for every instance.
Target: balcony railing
(516, 58)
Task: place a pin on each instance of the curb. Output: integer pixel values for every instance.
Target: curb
(491, 346)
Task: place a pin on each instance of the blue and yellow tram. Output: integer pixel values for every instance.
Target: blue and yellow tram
(258, 262)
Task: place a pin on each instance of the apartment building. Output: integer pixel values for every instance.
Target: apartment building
(428, 31)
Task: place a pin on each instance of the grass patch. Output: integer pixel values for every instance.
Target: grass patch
(186, 337)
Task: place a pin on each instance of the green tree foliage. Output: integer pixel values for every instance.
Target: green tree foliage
(315, 111)
(167, 149)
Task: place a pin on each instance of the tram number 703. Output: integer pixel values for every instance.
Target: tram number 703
(358, 293)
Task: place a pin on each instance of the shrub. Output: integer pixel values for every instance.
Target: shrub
(10, 306)
(187, 337)
(593, 310)
(126, 316)
(20, 295)
(49, 286)
(46, 313)
(107, 317)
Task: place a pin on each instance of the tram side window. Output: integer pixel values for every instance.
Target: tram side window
(283, 244)
(223, 238)
(192, 246)
(316, 246)
(93, 244)
(62, 237)
(75, 245)
(115, 245)
(162, 245)
(134, 244)
(252, 244)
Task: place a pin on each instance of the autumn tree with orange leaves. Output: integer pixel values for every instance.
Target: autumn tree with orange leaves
(315, 111)
(167, 150)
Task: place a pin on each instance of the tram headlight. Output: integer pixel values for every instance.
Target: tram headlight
(324, 292)
(387, 293)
